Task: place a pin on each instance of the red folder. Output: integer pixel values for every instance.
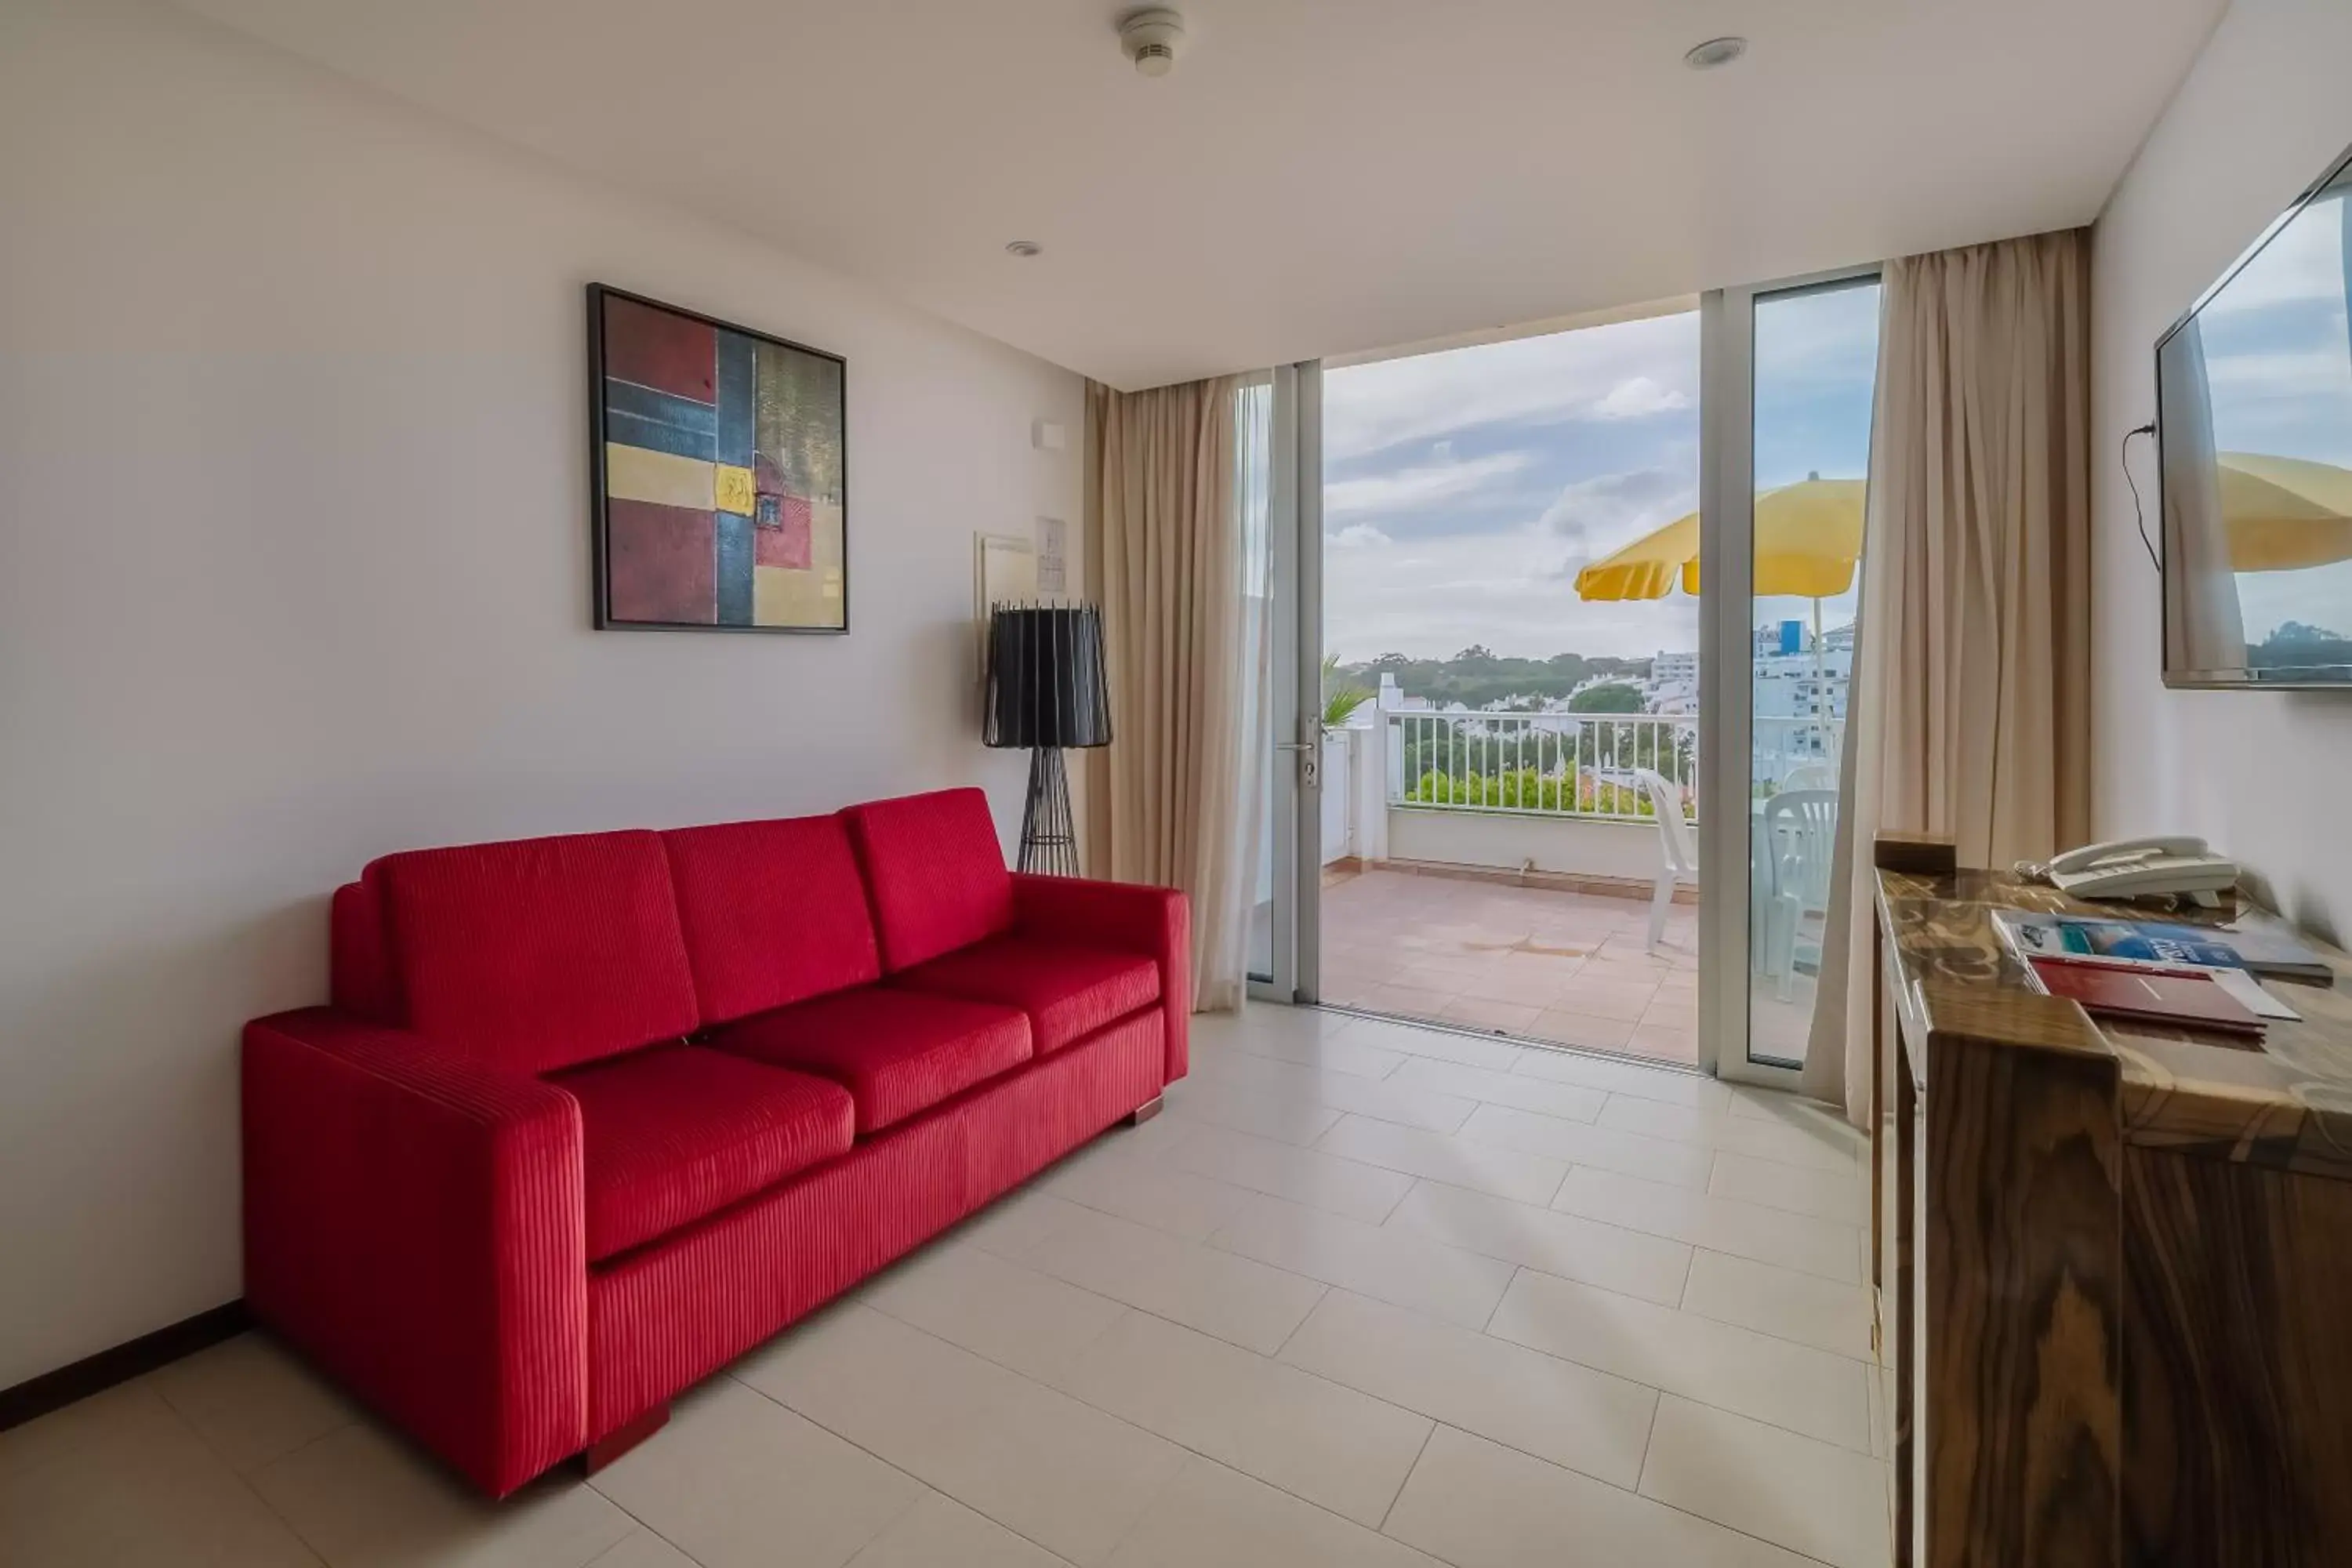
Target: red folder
(2149, 997)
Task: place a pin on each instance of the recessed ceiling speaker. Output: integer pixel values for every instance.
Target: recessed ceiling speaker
(1153, 38)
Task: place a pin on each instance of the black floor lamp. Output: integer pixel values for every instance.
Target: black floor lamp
(1046, 691)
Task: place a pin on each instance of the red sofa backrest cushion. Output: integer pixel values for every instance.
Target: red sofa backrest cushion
(935, 871)
(774, 911)
(360, 980)
(539, 953)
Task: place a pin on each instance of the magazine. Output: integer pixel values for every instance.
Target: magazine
(2155, 944)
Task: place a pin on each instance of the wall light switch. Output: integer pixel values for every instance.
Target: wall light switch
(1049, 436)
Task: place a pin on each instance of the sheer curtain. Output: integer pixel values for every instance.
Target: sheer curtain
(1176, 495)
(1971, 712)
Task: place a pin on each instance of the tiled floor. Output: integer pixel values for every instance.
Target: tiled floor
(1367, 1294)
(1570, 968)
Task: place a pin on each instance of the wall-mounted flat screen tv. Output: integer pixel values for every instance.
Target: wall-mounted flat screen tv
(2254, 422)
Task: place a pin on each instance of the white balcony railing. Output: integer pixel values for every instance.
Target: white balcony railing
(1580, 764)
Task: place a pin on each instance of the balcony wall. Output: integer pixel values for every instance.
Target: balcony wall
(1514, 841)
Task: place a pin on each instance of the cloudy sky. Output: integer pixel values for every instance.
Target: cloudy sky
(1463, 490)
(2278, 353)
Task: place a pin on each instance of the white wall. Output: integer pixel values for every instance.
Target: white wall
(294, 571)
(2261, 114)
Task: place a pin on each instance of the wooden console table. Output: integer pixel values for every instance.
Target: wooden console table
(2113, 1263)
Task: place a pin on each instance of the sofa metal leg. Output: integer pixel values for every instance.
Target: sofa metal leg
(1144, 1113)
(621, 1439)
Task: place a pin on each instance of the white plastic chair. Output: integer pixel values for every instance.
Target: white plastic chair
(1810, 775)
(1800, 840)
(1678, 856)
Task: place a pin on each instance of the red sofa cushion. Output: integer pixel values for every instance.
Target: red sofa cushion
(1067, 990)
(541, 952)
(671, 1134)
(773, 912)
(934, 870)
(897, 1052)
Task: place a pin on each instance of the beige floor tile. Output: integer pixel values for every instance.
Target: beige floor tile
(1477, 1504)
(1794, 1110)
(364, 1498)
(1442, 1045)
(1205, 1288)
(1393, 1265)
(1583, 1143)
(1625, 1080)
(1570, 1102)
(1307, 1176)
(253, 1399)
(1782, 1302)
(994, 1307)
(1238, 1073)
(1573, 1247)
(1330, 1445)
(1840, 1195)
(1562, 1026)
(940, 1532)
(1212, 1517)
(1566, 1413)
(1724, 1225)
(86, 1421)
(1718, 1128)
(1792, 1385)
(642, 1547)
(1285, 1118)
(1446, 1157)
(133, 1486)
(1406, 1001)
(1133, 1186)
(1328, 1047)
(1041, 1464)
(1824, 1501)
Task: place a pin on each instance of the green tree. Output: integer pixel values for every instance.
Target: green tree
(1612, 698)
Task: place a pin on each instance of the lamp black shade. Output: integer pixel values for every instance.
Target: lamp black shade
(1046, 685)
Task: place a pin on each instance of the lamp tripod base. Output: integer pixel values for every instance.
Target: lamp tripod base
(1049, 839)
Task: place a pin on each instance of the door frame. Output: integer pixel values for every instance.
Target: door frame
(1292, 747)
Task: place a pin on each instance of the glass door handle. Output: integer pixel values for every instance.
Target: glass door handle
(1310, 759)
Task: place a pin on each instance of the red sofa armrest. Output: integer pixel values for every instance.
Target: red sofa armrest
(1129, 917)
(413, 1220)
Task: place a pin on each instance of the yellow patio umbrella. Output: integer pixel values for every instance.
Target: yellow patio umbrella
(2284, 513)
(1808, 537)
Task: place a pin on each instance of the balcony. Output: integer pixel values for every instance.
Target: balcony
(1495, 871)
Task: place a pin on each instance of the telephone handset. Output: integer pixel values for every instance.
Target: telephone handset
(2141, 867)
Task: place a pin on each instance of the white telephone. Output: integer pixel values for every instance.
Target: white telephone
(2139, 868)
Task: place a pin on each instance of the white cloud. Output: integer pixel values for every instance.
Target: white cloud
(2303, 262)
(1357, 535)
(1640, 395)
(1433, 597)
(1419, 486)
(1591, 518)
(1542, 380)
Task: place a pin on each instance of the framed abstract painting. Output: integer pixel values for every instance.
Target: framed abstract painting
(719, 481)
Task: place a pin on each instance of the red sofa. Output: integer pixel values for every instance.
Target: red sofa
(589, 1117)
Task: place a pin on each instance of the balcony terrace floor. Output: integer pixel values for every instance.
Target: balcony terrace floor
(1566, 968)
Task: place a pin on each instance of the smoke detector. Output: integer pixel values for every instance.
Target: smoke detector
(1153, 38)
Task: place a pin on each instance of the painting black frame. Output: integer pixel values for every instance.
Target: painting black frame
(598, 515)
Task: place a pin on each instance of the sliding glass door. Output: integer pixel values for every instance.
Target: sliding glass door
(1607, 821)
(1791, 375)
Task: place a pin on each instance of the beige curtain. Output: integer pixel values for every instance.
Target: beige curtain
(1971, 710)
(1165, 800)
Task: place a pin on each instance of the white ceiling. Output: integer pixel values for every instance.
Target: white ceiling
(1316, 178)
